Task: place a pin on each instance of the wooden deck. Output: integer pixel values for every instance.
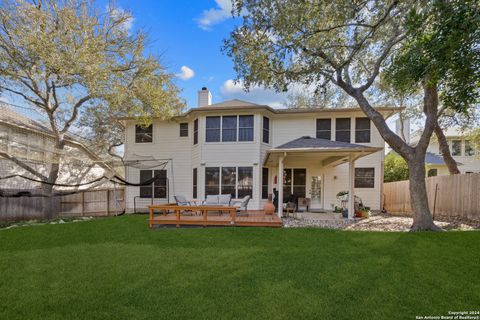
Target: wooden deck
(209, 216)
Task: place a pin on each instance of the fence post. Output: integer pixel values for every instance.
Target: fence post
(83, 203)
(108, 202)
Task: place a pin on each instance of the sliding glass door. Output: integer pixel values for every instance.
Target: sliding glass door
(294, 183)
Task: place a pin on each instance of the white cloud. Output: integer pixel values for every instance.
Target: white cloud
(118, 12)
(185, 73)
(214, 16)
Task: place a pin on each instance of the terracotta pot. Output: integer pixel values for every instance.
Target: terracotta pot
(268, 207)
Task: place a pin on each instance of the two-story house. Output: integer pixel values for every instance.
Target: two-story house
(241, 148)
(462, 150)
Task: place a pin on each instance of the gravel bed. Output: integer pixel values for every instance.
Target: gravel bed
(377, 223)
(30, 223)
(305, 223)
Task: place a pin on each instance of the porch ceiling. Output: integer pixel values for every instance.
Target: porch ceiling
(327, 153)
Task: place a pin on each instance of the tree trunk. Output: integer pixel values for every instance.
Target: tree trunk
(402, 127)
(415, 156)
(48, 200)
(445, 151)
(422, 219)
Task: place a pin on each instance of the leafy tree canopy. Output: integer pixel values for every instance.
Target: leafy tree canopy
(442, 44)
(396, 168)
(80, 67)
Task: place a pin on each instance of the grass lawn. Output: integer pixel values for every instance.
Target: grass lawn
(116, 268)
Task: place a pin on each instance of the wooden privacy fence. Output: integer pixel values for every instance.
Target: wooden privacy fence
(25, 208)
(97, 202)
(456, 196)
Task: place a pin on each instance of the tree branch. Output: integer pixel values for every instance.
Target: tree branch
(35, 102)
(74, 115)
(23, 165)
(376, 69)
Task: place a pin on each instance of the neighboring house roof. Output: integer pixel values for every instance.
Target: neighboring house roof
(431, 158)
(12, 118)
(307, 142)
(448, 132)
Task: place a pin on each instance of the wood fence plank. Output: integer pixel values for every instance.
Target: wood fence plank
(457, 196)
(91, 202)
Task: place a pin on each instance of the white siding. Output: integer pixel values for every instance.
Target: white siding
(467, 163)
(167, 145)
(283, 128)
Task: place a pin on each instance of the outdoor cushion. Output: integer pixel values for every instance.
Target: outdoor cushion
(224, 199)
(211, 200)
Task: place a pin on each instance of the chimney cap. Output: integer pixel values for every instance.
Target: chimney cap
(204, 88)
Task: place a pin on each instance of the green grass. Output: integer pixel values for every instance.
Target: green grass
(116, 268)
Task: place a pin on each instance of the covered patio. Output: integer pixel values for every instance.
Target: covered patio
(320, 153)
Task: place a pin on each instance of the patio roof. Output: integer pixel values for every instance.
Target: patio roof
(331, 153)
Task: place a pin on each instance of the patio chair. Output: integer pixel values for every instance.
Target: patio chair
(291, 208)
(182, 201)
(241, 205)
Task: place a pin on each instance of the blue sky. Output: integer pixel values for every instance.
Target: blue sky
(189, 34)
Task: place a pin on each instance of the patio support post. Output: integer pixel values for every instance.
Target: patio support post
(351, 185)
(280, 186)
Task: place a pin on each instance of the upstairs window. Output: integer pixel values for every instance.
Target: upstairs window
(324, 129)
(456, 147)
(195, 131)
(342, 130)
(213, 129)
(362, 130)
(184, 129)
(266, 130)
(143, 134)
(364, 177)
(245, 128)
(229, 128)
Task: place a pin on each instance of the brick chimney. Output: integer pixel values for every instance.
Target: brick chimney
(204, 97)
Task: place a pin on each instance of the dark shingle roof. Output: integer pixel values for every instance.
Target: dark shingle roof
(432, 158)
(307, 142)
